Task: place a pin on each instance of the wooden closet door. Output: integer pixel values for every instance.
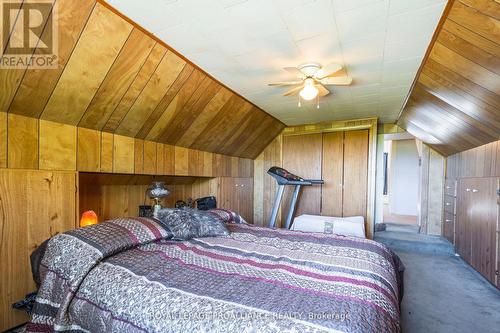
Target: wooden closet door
(355, 173)
(484, 210)
(302, 156)
(245, 198)
(469, 222)
(228, 194)
(461, 229)
(332, 173)
(475, 223)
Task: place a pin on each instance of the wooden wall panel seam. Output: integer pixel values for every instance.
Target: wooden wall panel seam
(141, 90)
(165, 101)
(104, 79)
(77, 85)
(69, 57)
(28, 100)
(24, 70)
(131, 83)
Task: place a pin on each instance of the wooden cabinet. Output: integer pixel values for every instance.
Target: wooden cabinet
(302, 156)
(355, 173)
(34, 205)
(341, 160)
(237, 194)
(333, 174)
(477, 224)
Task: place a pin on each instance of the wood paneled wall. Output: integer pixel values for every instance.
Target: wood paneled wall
(455, 100)
(473, 211)
(265, 186)
(483, 161)
(114, 76)
(34, 205)
(40, 144)
(112, 196)
(302, 155)
(274, 155)
(431, 187)
(341, 160)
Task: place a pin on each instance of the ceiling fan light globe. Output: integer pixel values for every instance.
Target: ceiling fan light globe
(309, 92)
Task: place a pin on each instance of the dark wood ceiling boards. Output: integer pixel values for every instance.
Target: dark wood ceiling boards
(116, 77)
(455, 101)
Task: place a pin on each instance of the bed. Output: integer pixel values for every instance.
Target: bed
(129, 275)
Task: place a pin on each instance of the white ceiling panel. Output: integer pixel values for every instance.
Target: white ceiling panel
(246, 43)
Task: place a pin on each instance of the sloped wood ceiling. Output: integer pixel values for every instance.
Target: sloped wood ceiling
(116, 77)
(455, 102)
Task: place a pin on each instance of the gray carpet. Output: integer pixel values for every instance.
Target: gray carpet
(442, 292)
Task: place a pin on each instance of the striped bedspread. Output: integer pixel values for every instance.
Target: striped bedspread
(127, 275)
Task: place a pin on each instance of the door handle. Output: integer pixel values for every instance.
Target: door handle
(448, 204)
(474, 190)
(467, 190)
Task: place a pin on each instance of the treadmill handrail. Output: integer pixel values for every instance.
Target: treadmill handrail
(305, 182)
(316, 181)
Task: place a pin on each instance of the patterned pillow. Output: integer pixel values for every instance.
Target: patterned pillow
(227, 216)
(190, 223)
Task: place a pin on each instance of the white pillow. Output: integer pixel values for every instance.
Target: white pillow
(347, 226)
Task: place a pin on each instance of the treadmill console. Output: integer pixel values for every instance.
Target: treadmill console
(283, 176)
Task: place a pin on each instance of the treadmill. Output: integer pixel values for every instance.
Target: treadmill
(285, 178)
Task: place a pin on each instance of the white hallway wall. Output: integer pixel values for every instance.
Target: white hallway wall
(404, 178)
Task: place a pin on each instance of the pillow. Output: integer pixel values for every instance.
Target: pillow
(227, 216)
(348, 228)
(190, 223)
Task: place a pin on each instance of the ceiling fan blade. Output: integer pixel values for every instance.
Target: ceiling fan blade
(322, 90)
(294, 71)
(338, 81)
(293, 91)
(339, 73)
(287, 83)
(327, 70)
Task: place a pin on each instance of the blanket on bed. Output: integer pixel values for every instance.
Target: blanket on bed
(127, 275)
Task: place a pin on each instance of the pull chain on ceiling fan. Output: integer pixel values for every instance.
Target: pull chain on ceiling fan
(312, 80)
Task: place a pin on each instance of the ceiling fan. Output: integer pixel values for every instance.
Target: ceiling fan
(312, 80)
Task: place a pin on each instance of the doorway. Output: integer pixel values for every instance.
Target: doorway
(401, 182)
